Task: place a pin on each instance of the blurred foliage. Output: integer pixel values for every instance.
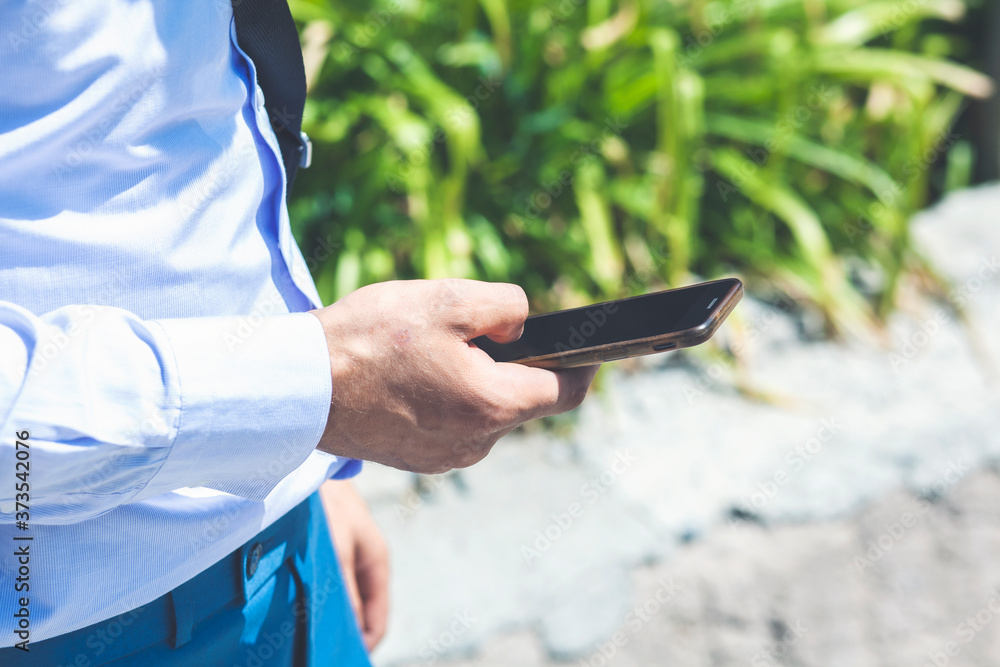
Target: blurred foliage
(591, 149)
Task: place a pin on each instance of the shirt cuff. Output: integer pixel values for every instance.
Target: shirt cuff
(255, 399)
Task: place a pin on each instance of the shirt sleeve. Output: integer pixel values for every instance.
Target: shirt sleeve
(120, 409)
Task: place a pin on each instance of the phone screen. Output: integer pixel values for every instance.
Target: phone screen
(611, 322)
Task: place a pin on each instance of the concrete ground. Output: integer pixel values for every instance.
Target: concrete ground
(863, 591)
(851, 519)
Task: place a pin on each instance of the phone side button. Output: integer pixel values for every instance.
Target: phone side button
(615, 355)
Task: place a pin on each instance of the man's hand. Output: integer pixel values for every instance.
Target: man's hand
(363, 556)
(412, 392)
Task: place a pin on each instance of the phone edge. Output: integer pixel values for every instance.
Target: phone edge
(642, 346)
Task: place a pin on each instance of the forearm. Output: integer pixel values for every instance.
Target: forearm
(120, 409)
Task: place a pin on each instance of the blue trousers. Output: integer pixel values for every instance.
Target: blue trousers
(279, 600)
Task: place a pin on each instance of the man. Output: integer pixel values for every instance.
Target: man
(172, 395)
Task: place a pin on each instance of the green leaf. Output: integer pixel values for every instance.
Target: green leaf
(787, 142)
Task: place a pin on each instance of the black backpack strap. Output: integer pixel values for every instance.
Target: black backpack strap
(266, 32)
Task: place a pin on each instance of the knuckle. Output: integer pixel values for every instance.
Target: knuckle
(483, 424)
(450, 304)
(474, 452)
(490, 408)
(498, 413)
(436, 468)
(508, 416)
(451, 291)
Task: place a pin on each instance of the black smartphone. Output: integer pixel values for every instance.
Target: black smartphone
(613, 330)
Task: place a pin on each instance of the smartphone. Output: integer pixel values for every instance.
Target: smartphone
(646, 324)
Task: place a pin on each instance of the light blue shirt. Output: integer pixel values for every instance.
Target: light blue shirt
(151, 336)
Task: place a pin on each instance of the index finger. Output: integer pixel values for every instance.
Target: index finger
(476, 308)
(538, 392)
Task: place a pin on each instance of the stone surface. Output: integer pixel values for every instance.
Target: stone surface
(547, 548)
(796, 594)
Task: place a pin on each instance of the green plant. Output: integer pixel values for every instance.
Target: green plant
(587, 149)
